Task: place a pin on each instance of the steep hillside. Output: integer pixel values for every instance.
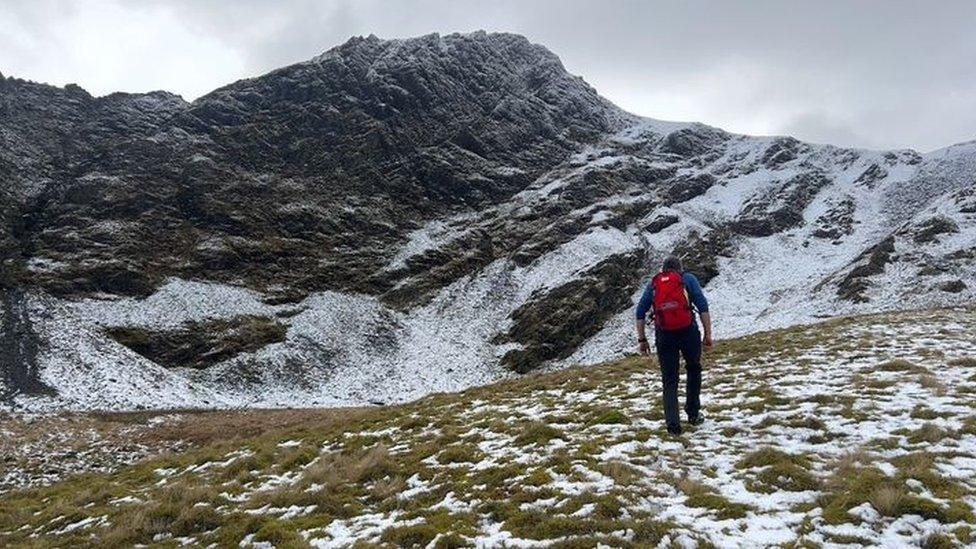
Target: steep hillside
(400, 217)
(856, 431)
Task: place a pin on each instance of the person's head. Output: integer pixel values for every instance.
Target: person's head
(672, 263)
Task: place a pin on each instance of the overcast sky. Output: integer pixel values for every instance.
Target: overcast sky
(882, 74)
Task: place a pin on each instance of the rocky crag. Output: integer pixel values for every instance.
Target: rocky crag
(398, 217)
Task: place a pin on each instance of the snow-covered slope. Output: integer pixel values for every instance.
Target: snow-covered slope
(244, 277)
(855, 432)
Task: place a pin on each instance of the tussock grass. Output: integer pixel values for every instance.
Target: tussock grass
(771, 456)
(901, 366)
(609, 417)
(963, 362)
(280, 534)
(703, 496)
(459, 453)
(417, 535)
(924, 412)
(968, 426)
(692, 487)
(784, 476)
(538, 477)
(343, 469)
(180, 509)
(927, 433)
(938, 541)
(933, 384)
(536, 432)
(337, 469)
(622, 473)
(887, 498)
(724, 508)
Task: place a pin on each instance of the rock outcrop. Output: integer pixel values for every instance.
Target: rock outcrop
(396, 217)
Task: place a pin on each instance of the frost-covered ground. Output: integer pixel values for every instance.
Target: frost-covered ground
(38, 450)
(856, 431)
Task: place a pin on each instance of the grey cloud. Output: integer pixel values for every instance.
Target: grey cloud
(875, 74)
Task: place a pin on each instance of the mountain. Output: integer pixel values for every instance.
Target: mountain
(400, 217)
(851, 432)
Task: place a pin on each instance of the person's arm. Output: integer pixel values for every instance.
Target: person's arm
(643, 306)
(706, 319)
(701, 303)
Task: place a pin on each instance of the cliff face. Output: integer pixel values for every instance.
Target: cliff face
(306, 177)
(398, 217)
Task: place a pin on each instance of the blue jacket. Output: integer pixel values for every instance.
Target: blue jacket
(695, 293)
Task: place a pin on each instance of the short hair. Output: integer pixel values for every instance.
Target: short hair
(672, 263)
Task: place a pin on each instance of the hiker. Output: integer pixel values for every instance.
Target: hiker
(670, 296)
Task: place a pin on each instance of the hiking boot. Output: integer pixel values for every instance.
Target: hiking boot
(674, 430)
(697, 420)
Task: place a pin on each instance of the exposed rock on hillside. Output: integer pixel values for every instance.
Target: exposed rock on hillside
(551, 325)
(422, 215)
(201, 344)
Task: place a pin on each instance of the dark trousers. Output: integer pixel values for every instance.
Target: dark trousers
(687, 342)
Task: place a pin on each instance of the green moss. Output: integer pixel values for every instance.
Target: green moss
(771, 456)
(459, 453)
(784, 476)
(538, 477)
(899, 365)
(648, 532)
(963, 362)
(848, 488)
(723, 507)
(610, 417)
(923, 412)
(298, 457)
(196, 518)
(927, 433)
(236, 527)
(964, 534)
(536, 432)
(280, 534)
(923, 507)
(451, 541)
(417, 535)
(938, 541)
(539, 525)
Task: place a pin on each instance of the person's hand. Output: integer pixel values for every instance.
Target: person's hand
(707, 342)
(643, 347)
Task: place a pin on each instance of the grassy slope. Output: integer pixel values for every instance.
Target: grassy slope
(790, 455)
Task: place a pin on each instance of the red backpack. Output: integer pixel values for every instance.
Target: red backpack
(672, 311)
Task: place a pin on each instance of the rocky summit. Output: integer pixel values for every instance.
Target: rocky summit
(399, 217)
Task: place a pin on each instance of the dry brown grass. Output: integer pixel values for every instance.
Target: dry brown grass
(387, 488)
(927, 433)
(206, 427)
(846, 465)
(915, 464)
(965, 362)
(887, 499)
(901, 365)
(338, 469)
(692, 487)
(178, 509)
(621, 473)
(933, 384)
(102, 434)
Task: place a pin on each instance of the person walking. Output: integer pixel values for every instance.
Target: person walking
(672, 297)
